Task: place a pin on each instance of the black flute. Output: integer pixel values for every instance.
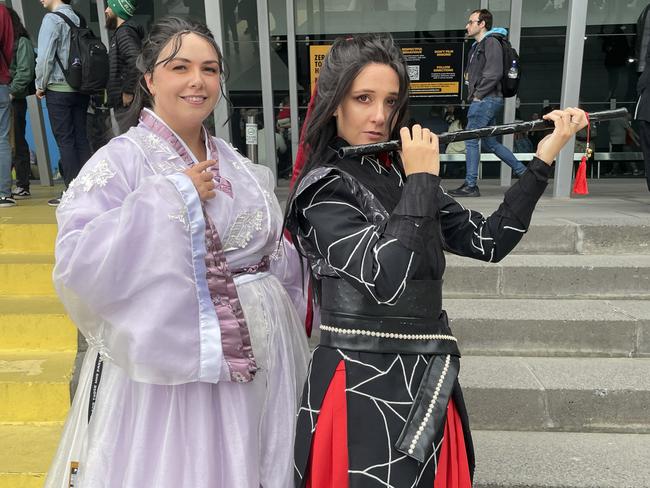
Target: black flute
(463, 135)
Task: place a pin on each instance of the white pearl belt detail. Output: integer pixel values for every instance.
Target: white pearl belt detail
(432, 403)
(388, 335)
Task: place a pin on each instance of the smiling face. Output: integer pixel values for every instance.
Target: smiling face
(363, 115)
(186, 88)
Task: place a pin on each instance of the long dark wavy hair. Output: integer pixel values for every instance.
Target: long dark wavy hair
(164, 31)
(342, 64)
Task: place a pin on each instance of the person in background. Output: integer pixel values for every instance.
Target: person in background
(382, 406)
(124, 48)
(22, 81)
(167, 259)
(620, 131)
(66, 107)
(6, 55)
(483, 80)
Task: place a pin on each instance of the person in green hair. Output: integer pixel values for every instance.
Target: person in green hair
(124, 48)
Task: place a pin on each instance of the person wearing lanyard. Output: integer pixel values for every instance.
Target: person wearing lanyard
(167, 259)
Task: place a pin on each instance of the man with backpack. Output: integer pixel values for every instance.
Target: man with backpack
(124, 49)
(484, 79)
(66, 106)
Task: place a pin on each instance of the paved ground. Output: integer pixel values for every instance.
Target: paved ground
(610, 202)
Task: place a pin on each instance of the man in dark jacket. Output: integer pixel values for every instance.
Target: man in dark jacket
(643, 113)
(125, 46)
(483, 81)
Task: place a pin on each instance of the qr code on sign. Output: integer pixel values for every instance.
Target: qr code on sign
(414, 72)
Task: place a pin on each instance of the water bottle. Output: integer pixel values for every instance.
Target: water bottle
(513, 72)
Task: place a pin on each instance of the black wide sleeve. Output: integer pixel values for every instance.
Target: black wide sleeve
(468, 233)
(375, 257)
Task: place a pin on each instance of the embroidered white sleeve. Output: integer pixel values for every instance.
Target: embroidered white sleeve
(98, 176)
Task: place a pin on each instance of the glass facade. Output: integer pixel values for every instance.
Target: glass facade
(609, 68)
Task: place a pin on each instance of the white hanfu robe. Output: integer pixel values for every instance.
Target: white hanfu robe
(130, 269)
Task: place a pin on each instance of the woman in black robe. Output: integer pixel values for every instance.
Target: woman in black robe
(382, 406)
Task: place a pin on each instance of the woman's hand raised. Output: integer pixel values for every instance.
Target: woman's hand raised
(567, 123)
(420, 151)
(202, 178)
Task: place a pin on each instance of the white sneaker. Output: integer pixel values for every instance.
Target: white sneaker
(7, 202)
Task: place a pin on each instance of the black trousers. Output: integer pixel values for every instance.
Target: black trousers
(67, 112)
(644, 134)
(21, 154)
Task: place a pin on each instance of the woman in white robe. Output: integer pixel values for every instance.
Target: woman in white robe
(167, 259)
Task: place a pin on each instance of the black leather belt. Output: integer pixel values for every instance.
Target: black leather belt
(416, 324)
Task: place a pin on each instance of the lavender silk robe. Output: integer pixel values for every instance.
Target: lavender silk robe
(130, 269)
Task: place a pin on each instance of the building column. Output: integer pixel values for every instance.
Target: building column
(571, 77)
(293, 78)
(267, 86)
(214, 21)
(514, 34)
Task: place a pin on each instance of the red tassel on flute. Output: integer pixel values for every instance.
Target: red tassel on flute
(580, 184)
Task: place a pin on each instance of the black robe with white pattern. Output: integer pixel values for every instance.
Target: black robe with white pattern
(370, 225)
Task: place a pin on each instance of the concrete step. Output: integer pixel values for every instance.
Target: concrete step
(26, 451)
(598, 238)
(557, 394)
(550, 276)
(550, 327)
(26, 274)
(27, 238)
(35, 323)
(34, 386)
(561, 460)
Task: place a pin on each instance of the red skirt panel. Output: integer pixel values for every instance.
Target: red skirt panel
(328, 459)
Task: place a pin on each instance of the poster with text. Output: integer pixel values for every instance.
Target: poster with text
(435, 69)
(316, 56)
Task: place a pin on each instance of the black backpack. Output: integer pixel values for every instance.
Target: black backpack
(511, 67)
(87, 70)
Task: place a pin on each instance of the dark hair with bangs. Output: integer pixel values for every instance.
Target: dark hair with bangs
(165, 31)
(484, 15)
(342, 64)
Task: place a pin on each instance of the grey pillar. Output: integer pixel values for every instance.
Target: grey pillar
(103, 32)
(214, 21)
(40, 140)
(267, 87)
(293, 78)
(571, 76)
(510, 105)
(17, 5)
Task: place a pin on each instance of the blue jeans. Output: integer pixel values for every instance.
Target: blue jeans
(5, 147)
(67, 113)
(483, 114)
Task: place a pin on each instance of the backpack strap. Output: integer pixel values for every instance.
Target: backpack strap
(72, 25)
(67, 20)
